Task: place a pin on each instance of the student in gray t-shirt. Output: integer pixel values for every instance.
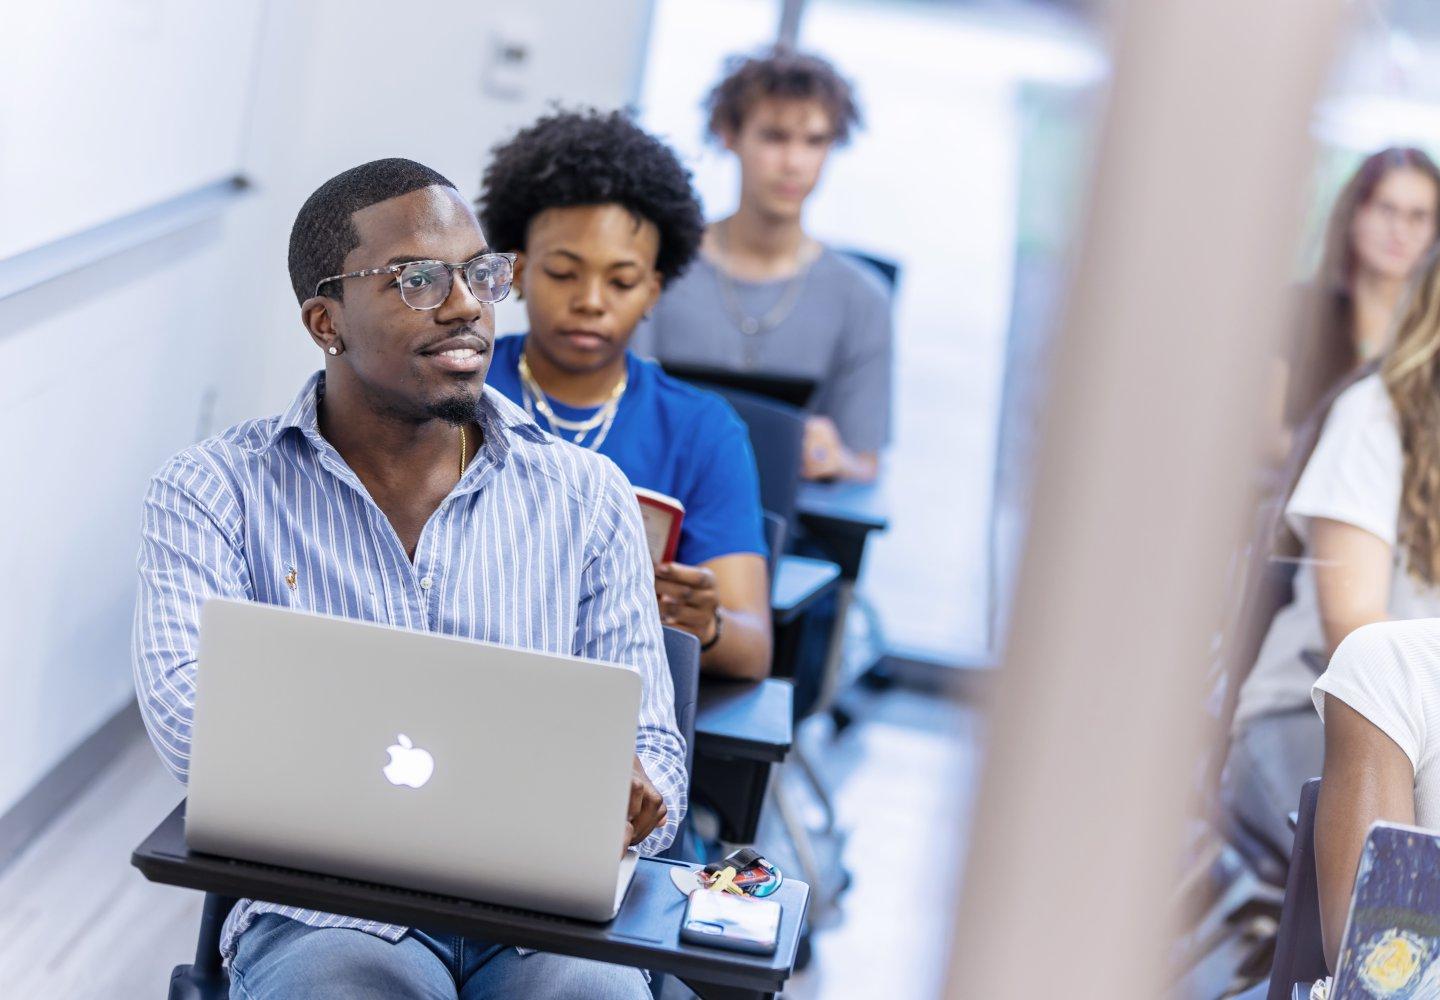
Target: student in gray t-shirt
(766, 297)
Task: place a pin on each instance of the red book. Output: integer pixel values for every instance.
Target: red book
(662, 516)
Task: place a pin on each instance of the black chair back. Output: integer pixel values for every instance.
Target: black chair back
(792, 390)
(888, 270)
(682, 651)
(777, 436)
(774, 543)
(1299, 948)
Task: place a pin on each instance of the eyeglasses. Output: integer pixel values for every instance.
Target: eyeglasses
(1413, 218)
(426, 284)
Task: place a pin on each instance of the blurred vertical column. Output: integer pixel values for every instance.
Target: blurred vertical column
(788, 33)
(1150, 438)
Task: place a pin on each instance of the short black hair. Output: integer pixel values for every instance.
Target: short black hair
(784, 73)
(324, 232)
(590, 157)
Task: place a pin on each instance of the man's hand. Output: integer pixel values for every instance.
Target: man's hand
(688, 598)
(646, 811)
(824, 455)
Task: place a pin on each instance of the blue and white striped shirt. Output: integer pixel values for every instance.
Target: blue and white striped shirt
(539, 545)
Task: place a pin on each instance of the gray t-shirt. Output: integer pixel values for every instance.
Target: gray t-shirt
(838, 333)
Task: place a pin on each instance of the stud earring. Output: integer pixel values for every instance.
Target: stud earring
(334, 349)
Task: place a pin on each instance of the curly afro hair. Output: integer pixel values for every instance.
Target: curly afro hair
(782, 73)
(591, 158)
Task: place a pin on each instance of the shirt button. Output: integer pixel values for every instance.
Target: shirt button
(426, 583)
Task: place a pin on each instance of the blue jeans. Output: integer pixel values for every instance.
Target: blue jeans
(1270, 759)
(283, 958)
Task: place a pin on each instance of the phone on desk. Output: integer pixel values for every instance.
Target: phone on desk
(723, 920)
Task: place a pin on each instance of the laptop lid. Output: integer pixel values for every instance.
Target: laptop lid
(409, 758)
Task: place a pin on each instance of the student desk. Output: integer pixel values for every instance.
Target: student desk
(742, 730)
(645, 933)
(840, 518)
(799, 582)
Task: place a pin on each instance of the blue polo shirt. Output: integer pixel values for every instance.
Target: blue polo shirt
(673, 438)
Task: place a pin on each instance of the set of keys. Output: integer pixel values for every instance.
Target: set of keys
(743, 872)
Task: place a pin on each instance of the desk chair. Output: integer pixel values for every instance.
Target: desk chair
(801, 642)
(777, 434)
(774, 544)
(888, 270)
(682, 651)
(206, 980)
(791, 390)
(1299, 949)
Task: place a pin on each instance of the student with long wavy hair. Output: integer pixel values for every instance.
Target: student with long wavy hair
(1383, 221)
(1380, 696)
(1367, 511)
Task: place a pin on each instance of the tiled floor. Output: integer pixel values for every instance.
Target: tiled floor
(76, 921)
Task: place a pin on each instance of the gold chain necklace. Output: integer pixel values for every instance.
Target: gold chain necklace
(604, 417)
(463, 449)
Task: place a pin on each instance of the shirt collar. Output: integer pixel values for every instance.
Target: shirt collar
(494, 413)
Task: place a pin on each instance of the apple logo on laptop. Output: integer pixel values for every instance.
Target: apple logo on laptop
(409, 765)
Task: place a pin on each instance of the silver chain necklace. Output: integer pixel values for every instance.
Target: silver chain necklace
(755, 326)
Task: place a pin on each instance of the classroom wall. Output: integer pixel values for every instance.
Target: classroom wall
(106, 372)
(581, 53)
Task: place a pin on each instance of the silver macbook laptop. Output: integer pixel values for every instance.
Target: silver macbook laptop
(412, 759)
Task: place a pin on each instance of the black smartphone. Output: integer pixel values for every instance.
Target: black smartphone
(724, 920)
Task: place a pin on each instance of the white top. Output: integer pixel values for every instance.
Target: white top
(1355, 476)
(1389, 672)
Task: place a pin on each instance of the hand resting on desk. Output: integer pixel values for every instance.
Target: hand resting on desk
(826, 458)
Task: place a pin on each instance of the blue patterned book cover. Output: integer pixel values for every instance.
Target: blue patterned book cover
(1391, 947)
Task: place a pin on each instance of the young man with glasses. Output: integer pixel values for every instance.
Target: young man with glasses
(398, 488)
(766, 297)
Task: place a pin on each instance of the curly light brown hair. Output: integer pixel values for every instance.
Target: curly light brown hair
(786, 74)
(1411, 372)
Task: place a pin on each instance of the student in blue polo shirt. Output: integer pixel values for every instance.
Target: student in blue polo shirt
(601, 215)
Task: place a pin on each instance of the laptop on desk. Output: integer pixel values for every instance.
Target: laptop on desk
(417, 760)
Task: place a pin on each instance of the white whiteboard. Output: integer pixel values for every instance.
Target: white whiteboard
(111, 106)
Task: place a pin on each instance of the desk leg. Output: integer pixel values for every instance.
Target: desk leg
(710, 991)
(735, 789)
(830, 678)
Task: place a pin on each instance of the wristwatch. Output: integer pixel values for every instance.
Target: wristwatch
(707, 646)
